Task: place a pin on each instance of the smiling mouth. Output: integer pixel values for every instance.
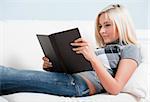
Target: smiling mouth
(104, 36)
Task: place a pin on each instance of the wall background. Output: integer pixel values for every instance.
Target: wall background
(69, 10)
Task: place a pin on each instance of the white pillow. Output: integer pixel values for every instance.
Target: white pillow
(138, 83)
(3, 100)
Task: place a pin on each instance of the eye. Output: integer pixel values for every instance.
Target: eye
(100, 26)
(107, 25)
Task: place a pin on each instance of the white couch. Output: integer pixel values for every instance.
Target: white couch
(21, 49)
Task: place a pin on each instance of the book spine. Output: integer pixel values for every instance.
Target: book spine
(57, 51)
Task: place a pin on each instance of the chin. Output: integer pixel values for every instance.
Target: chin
(107, 41)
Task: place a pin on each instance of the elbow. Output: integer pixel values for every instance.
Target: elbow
(114, 91)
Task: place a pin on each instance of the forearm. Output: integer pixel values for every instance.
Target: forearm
(110, 84)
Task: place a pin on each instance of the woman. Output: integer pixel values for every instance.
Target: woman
(114, 34)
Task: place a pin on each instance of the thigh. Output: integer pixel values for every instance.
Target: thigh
(8, 73)
(13, 81)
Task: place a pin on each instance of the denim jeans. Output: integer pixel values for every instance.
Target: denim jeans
(13, 80)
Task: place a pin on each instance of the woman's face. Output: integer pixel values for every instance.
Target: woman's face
(107, 31)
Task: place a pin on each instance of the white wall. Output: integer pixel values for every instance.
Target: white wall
(1, 42)
(70, 10)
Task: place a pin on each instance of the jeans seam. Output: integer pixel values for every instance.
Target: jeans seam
(78, 90)
(78, 93)
(73, 83)
(71, 79)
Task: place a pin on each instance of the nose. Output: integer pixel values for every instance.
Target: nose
(102, 30)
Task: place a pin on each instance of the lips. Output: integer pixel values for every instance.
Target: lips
(105, 35)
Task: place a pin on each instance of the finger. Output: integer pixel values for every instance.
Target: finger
(78, 49)
(79, 52)
(80, 40)
(79, 44)
(46, 62)
(48, 65)
(45, 65)
(45, 59)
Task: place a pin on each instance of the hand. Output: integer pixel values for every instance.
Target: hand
(83, 47)
(47, 65)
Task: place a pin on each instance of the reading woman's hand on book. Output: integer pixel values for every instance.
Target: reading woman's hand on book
(47, 65)
(83, 47)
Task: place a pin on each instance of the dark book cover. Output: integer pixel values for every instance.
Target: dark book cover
(57, 48)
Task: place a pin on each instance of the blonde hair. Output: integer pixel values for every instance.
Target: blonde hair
(121, 19)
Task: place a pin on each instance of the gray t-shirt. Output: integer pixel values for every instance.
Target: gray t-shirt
(110, 57)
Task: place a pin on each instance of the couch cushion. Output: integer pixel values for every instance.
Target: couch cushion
(38, 97)
(3, 100)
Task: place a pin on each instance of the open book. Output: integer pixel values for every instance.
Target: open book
(57, 48)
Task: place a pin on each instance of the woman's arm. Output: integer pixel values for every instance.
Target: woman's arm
(114, 85)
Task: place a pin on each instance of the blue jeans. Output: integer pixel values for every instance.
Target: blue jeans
(13, 80)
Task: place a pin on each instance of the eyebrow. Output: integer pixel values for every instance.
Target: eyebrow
(105, 23)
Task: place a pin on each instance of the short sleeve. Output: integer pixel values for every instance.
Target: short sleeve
(132, 52)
